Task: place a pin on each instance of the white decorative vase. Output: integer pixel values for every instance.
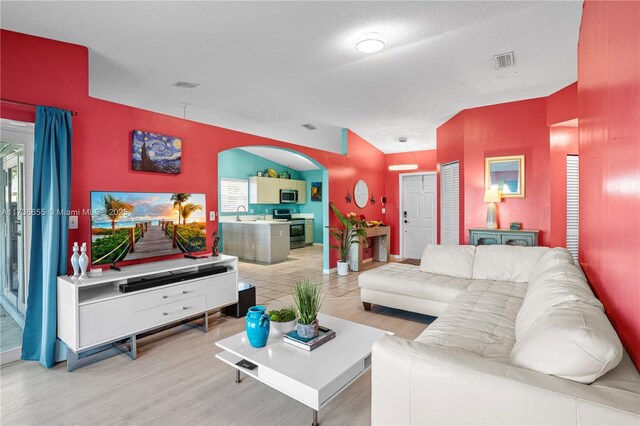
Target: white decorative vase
(75, 258)
(83, 261)
(343, 268)
(283, 327)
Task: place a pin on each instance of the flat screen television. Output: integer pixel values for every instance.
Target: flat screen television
(138, 225)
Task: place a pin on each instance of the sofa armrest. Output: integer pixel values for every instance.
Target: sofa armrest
(415, 383)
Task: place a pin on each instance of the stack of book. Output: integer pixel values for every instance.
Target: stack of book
(324, 335)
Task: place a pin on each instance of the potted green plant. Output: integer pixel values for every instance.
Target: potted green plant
(351, 231)
(283, 320)
(307, 296)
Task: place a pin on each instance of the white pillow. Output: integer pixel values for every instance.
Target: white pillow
(561, 283)
(454, 261)
(573, 340)
(551, 258)
(506, 263)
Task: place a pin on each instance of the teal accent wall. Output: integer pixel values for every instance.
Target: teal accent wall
(315, 207)
(239, 164)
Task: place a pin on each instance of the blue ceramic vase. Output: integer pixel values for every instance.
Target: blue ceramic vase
(258, 325)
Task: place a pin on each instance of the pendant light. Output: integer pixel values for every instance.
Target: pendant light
(403, 167)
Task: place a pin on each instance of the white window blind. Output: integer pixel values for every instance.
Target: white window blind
(450, 204)
(572, 205)
(233, 193)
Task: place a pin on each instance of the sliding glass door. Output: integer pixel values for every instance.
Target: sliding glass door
(16, 143)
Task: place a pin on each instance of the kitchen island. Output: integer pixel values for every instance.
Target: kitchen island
(264, 241)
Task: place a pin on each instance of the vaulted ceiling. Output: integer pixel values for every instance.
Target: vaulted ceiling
(268, 67)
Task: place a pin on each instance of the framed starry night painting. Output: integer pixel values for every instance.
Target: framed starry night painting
(151, 152)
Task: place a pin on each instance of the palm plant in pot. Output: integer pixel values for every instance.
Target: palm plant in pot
(308, 298)
(346, 235)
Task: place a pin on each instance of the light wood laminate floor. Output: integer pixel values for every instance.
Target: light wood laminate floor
(177, 380)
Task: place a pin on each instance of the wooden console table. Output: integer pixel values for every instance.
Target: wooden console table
(381, 238)
(484, 236)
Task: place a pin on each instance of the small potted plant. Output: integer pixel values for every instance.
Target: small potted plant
(283, 320)
(350, 232)
(308, 299)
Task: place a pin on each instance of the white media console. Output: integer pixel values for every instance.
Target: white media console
(94, 312)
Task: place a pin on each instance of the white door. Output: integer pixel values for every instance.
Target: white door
(418, 216)
(450, 204)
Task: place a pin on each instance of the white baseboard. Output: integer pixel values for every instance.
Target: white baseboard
(367, 260)
(317, 244)
(395, 256)
(328, 271)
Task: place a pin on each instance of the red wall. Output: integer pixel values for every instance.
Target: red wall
(609, 111)
(514, 128)
(426, 161)
(563, 105)
(47, 72)
(563, 141)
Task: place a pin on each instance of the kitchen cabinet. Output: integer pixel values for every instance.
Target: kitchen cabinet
(302, 191)
(308, 231)
(265, 190)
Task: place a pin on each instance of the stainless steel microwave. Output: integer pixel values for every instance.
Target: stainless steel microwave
(288, 196)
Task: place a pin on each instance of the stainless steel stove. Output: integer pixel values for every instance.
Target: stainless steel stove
(297, 227)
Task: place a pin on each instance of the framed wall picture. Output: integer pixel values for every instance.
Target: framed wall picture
(316, 191)
(152, 152)
(506, 174)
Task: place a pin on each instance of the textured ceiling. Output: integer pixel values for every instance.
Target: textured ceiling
(268, 67)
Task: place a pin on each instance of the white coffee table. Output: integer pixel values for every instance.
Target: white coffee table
(313, 378)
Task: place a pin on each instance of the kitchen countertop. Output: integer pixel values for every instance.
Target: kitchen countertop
(256, 222)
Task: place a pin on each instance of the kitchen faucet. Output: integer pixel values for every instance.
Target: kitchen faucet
(238, 212)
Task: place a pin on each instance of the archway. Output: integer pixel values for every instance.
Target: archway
(242, 162)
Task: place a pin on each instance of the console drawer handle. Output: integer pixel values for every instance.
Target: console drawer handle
(165, 313)
(165, 297)
(184, 292)
(184, 308)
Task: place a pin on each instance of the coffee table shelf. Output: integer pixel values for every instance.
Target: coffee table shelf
(312, 378)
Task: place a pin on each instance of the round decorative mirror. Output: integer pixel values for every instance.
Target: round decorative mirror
(361, 193)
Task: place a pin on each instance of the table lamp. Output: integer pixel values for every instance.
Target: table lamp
(492, 196)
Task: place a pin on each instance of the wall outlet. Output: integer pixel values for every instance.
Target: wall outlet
(384, 210)
(266, 211)
(251, 211)
(212, 216)
(73, 222)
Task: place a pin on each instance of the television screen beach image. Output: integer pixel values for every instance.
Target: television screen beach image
(138, 225)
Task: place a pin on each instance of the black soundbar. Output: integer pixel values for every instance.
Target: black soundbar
(137, 284)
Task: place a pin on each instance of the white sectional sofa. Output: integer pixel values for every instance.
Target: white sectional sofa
(519, 339)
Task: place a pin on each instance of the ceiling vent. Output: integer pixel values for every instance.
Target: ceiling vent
(504, 60)
(185, 84)
(309, 126)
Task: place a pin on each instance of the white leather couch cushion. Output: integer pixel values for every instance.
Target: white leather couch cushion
(480, 323)
(551, 258)
(506, 263)
(408, 279)
(573, 340)
(454, 261)
(561, 283)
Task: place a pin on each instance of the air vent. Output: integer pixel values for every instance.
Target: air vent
(185, 84)
(309, 126)
(504, 60)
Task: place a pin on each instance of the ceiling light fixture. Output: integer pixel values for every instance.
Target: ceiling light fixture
(403, 167)
(370, 43)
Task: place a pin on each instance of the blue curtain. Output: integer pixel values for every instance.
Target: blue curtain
(51, 195)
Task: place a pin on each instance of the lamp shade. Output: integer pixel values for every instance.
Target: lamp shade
(492, 195)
